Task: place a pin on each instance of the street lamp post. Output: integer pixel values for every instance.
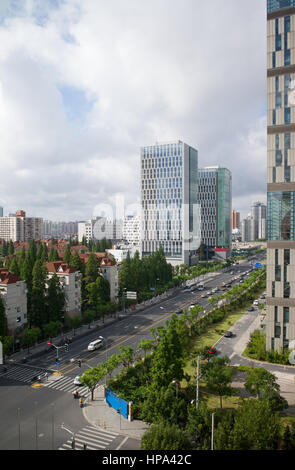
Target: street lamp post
(176, 383)
(72, 434)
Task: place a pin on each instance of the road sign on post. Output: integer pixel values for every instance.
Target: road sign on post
(1, 353)
(131, 295)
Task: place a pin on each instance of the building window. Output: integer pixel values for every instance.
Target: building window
(277, 331)
(278, 273)
(286, 314)
(286, 257)
(287, 115)
(286, 290)
(279, 158)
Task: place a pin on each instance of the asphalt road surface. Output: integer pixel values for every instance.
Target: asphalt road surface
(31, 418)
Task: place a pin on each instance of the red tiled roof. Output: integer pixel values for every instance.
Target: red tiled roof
(8, 278)
(59, 266)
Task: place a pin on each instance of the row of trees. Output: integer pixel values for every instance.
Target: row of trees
(98, 246)
(142, 275)
(45, 297)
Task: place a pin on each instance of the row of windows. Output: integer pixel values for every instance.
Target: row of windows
(286, 289)
(273, 5)
(162, 184)
(162, 150)
(167, 203)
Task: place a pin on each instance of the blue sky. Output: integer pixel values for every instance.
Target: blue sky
(84, 84)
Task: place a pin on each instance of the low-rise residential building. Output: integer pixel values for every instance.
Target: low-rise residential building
(70, 280)
(13, 292)
(109, 270)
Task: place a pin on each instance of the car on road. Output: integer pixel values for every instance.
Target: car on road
(77, 380)
(228, 334)
(262, 297)
(251, 309)
(179, 312)
(255, 302)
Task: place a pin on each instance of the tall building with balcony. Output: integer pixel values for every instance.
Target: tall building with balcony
(170, 215)
(215, 198)
(280, 320)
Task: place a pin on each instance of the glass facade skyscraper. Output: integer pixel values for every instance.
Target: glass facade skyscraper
(169, 201)
(215, 197)
(280, 319)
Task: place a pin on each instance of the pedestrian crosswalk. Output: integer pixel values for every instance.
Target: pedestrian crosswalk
(29, 374)
(22, 373)
(65, 384)
(94, 438)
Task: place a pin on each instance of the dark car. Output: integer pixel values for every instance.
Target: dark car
(228, 334)
(251, 309)
(179, 312)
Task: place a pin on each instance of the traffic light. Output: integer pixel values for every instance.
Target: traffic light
(66, 347)
(79, 362)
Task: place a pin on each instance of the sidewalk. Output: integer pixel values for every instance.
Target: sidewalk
(100, 414)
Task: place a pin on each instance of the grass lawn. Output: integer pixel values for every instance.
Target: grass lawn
(212, 335)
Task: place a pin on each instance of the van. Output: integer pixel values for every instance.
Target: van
(95, 344)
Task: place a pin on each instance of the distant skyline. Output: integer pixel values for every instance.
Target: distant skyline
(84, 84)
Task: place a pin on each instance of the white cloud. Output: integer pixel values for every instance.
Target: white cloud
(157, 70)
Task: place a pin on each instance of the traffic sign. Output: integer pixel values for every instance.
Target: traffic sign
(131, 295)
(57, 362)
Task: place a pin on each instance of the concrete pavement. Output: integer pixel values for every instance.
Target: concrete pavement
(100, 414)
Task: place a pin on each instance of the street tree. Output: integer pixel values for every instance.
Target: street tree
(92, 377)
(218, 376)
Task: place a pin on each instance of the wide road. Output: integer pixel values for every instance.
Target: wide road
(31, 417)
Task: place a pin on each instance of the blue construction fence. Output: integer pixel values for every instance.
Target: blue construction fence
(119, 404)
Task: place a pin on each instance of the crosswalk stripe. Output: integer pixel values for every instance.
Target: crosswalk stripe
(99, 433)
(93, 437)
(81, 438)
(85, 435)
(113, 434)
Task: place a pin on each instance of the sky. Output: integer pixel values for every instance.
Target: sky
(85, 83)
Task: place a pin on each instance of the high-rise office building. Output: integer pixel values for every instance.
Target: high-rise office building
(236, 220)
(170, 213)
(1, 211)
(131, 229)
(258, 214)
(280, 319)
(215, 198)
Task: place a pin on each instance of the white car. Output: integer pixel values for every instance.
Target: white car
(77, 380)
(255, 302)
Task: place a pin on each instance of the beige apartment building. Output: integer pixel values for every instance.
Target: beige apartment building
(21, 228)
(70, 280)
